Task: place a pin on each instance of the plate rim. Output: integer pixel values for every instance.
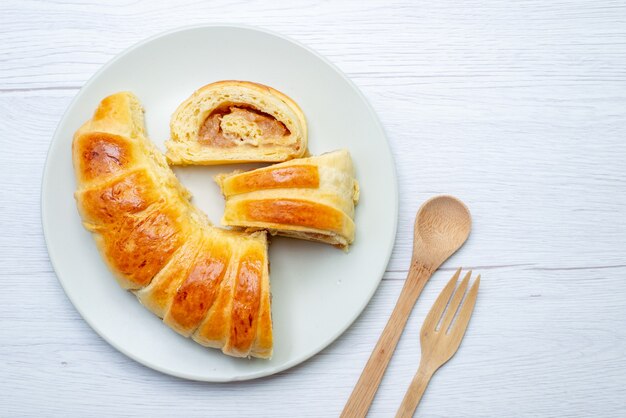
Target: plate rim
(297, 360)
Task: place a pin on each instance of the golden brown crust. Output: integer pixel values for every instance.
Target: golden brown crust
(292, 212)
(158, 295)
(264, 340)
(294, 176)
(159, 245)
(198, 292)
(141, 247)
(241, 311)
(101, 156)
(246, 302)
(214, 330)
(109, 203)
(138, 232)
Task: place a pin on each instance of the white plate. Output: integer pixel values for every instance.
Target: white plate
(318, 291)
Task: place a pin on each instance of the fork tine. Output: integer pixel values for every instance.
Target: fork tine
(453, 306)
(457, 329)
(432, 319)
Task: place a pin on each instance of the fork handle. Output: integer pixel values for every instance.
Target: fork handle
(415, 391)
(363, 394)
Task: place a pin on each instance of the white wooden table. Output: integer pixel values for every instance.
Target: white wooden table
(518, 108)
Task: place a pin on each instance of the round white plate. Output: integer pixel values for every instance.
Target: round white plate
(318, 291)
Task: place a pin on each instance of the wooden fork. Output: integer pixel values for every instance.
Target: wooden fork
(439, 343)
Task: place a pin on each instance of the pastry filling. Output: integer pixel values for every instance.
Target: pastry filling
(234, 124)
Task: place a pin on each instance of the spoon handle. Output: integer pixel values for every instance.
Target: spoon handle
(365, 389)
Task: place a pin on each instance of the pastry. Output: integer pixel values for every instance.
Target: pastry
(236, 121)
(309, 198)
(206, 283)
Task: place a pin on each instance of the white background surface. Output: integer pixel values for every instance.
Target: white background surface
(517, 108)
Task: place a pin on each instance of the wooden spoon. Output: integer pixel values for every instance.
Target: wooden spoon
(442, 225)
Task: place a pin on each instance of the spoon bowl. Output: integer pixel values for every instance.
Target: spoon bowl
(442, 225)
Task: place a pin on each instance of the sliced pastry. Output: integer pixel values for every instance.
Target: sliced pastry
(236, 121)
(309, 198)
(207, 283)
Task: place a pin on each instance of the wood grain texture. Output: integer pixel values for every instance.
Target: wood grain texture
(526, 104)
(442, 225)
(439, 341)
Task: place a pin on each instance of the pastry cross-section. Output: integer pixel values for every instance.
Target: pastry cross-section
(236, 121)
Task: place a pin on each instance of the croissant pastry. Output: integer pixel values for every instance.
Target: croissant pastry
(236, 121)
(309, 198)
(206, 283)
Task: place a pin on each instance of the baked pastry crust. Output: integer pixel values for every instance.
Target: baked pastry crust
(205, 282)
(236, 121)
(310, 198)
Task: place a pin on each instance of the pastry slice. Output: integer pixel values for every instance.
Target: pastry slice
(236, 121)
(309, 198)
